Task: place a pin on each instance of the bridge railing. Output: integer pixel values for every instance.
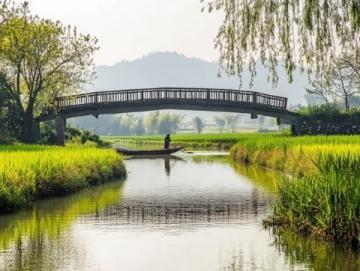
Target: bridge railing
(183, 94)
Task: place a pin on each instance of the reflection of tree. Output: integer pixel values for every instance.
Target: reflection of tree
(36, 237)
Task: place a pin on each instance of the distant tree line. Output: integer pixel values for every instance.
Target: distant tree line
(326, 119)
(165, 123)
(128, 124)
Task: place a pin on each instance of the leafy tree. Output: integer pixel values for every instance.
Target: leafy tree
(41, 60)
(220, 123)
(320, 88)
(340, 83)
(7, 10)
(198, 124)
(151, 122)
(126, 124)
(231, 122)
(307, 34)
(169, 123)
(139, 127)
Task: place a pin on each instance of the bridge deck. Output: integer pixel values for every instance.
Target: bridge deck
(182, 95)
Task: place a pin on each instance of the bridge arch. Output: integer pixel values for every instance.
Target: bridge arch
(148, 99)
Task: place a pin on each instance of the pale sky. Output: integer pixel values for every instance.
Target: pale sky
(130, 29)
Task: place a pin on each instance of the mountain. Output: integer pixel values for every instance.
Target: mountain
(165, 69)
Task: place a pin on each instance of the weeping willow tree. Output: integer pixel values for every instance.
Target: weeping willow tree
(304, 34)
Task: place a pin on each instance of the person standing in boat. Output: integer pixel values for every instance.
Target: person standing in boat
(167, 141)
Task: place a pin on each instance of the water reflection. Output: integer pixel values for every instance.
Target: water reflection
(167, 166)
(40, 239)
(170, 214)
(315, 255)
(169, 161)
(203, 211)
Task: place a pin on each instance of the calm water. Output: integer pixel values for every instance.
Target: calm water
(169, 214)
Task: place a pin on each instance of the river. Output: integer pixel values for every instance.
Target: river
(169, 214)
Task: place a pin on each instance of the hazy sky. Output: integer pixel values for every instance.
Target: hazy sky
(129, 29)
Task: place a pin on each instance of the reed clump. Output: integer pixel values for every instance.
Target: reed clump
(28, 173)
(325, 205)
(321, 198)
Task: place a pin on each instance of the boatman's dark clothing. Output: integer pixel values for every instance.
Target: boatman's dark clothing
(167, 141)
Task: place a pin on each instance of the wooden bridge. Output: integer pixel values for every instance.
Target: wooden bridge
(138, 100)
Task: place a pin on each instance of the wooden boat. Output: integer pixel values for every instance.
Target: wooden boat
(148, 152)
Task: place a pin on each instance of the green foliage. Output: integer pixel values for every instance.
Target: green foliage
(72, 135)
(40, 60)
(30, 172)
(299, 33)
(151, 122)
(168, 123)
(47, 133)
(162, 123)
(327, 119)
(320, 110)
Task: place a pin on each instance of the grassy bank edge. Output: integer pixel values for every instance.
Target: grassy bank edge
(32, 172)
(322, 199)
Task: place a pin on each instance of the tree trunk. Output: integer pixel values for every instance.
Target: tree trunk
(27, 128)
(347, 108)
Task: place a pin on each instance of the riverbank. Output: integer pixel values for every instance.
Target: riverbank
(31, 172)
(195, 141)
(322, 196)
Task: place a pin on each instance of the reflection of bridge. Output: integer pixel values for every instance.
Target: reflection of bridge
(199, 99)
(180, 211)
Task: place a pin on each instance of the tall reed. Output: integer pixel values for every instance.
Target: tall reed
(325, 205)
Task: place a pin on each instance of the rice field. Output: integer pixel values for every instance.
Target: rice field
(321, 198)
(293, 155)
(30, 172)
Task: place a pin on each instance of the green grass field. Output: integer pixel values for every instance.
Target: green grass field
(30, 172)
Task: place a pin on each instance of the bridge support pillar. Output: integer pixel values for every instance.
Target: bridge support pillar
(60, 126)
